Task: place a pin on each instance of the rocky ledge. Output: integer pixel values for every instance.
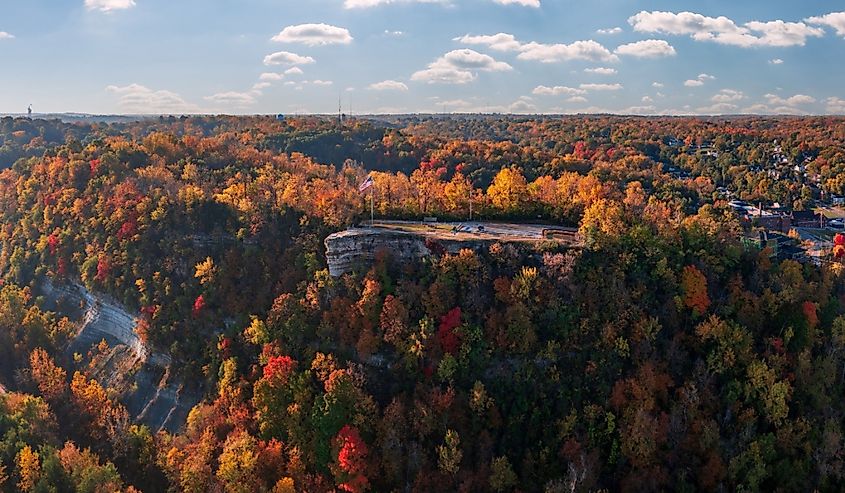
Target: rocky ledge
(411, 241)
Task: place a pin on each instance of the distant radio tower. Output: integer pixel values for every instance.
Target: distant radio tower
(339, 110)
(29, 112)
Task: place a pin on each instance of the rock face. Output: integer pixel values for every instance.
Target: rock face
(410, 242)
(355, 248)
(142, 377)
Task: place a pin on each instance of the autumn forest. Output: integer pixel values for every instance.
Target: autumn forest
(684, 345)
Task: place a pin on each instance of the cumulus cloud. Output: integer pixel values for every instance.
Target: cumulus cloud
(610, 30)
(649, 48)
(724, 30)
(579, 50)
(577, 99)
(558, 91)
(776, 61)
(135, 98)
(319, 82)
(258, 86)
(718, 109)
(728, 96)
(522, 105)
(294, 71)
(5, 35)
(459, 67)
(270, 76)
(389, 85)
(498, 42)
(545, 53)
(836, 20)
(286, 58)
(314, 35)
(796, 100)
(601, 71)
(109, 5)
(835, 106)
(601, 87)
(657, 85)
(699, 81)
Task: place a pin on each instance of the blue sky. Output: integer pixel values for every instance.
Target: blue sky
(386, 56)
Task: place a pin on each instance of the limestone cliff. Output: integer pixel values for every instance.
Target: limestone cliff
(140, 376)
(410, 242)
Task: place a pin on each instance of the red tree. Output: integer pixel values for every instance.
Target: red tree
(449, 339)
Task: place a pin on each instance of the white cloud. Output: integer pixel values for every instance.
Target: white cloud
(232, 98)
(273, 76)
(699, 81)
(718, 109)
(258, 86)
(724, 30)
(836, 20)
(473, 60)
(522, 105)
(135, 98)
(498, 42)
(577, 99)
(524, 3)
(545, 53)
(319, 82)
(610, 30)
(649, 48)
(458, 66)
(647, 99)
(657, 85)
(294, 71)
(557, 91)
(109, 5)
(796, 100)
(5, 35)
(314, 35)
(579, 50)
(388, 32)
(286, 58)
(601, 71)
(776, 61)
(601, 87)
(835, 106)
(389, 85)
(728, 96)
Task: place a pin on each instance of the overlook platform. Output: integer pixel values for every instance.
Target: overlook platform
(406, 240)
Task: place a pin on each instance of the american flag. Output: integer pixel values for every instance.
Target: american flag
(366, 184)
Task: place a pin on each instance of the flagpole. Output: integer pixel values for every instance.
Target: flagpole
(373, 206)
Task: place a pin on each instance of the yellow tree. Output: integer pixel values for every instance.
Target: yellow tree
(509, 191)
(457, 194)
(29, 468)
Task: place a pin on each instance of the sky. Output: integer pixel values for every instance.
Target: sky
(405, 56)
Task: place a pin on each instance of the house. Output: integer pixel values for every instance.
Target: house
(808, 219)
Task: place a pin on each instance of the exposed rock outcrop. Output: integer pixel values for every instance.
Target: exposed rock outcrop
(140, 376)
(410, 242)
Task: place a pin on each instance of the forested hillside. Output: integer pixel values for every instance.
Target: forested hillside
(667, 355)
